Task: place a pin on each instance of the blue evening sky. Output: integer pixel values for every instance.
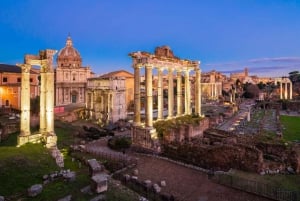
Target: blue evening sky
(225, 35)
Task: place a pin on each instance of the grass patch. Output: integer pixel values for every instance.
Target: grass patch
(291, 127)
(288, 182)
(22, 167)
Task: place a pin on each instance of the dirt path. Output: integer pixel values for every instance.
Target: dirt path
(188, 184)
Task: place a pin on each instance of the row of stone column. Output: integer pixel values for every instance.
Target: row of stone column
(149, 94)
(286, 90)
(46, 100)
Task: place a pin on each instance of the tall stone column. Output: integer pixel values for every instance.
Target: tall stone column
(149, 97)
(43, 98)
(179, 94)
(50, 102)
(285, 90)
(187, 93)
(198, 92)
(25, 104)
(281, 89)
(215, 88)
(170, 93)
(137, 97)
(108, 107)
(160, 97)
(211, 90)
(291, 90)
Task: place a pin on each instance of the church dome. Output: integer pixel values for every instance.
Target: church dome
(69, 56)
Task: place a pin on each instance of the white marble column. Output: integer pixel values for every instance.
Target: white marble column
(179, 94)
(187, 93)
(50, 102)
(170, 93)
(149, 97)
(160, 97)
(281, 89)
(25, 101)
(43, 98)
(198, 92)
(137, 97)
(285, 90)
(291, 90)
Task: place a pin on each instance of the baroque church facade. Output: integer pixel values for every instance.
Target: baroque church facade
(70, 76)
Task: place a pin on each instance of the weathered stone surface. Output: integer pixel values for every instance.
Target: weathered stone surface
(94, 167)
(127, 177)
(156, 188)
(67, 198)
(147, 183)
(34, 190)
(70, 176)
(136, 172)
(99, 183)
(134, 177)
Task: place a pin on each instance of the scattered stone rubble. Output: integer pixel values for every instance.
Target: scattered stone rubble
(57, 155)
(147, 184)
(99, 179)
(34, 190)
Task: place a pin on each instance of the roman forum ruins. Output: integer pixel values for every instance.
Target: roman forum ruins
(143, 134)
(46, 132)
(287, 90)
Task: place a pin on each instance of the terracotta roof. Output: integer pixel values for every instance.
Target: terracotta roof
(7, 68)
(115, 73)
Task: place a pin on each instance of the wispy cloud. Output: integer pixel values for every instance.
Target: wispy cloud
(276, 66)
(275, 59)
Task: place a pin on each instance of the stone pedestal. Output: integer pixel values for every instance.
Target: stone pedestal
(50, 140)
(22, 140)
(145, 138)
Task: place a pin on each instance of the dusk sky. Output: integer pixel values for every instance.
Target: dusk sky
(228, 35)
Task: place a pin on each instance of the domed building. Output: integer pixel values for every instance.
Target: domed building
(71, 77)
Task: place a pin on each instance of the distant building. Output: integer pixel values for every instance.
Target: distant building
(10, 85)
(129, 85)
(106, 99)
(70, 76)
(211, 85)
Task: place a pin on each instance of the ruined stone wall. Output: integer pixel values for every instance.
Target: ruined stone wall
(221, 157)
(186, 132)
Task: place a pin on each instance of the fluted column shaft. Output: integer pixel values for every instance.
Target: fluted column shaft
(137, 97)
(43, 100)
(50, 102)
(198, 92)
(280, 89)
(170, 93)
(285, 90)
(187, 93)
(179, 94)
(25, 100)
(291, 91)
(149, 100)
(160, 97)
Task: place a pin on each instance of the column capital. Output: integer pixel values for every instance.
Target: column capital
(171, 69)
(25, 67)
(160, 69)
(148, 66)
